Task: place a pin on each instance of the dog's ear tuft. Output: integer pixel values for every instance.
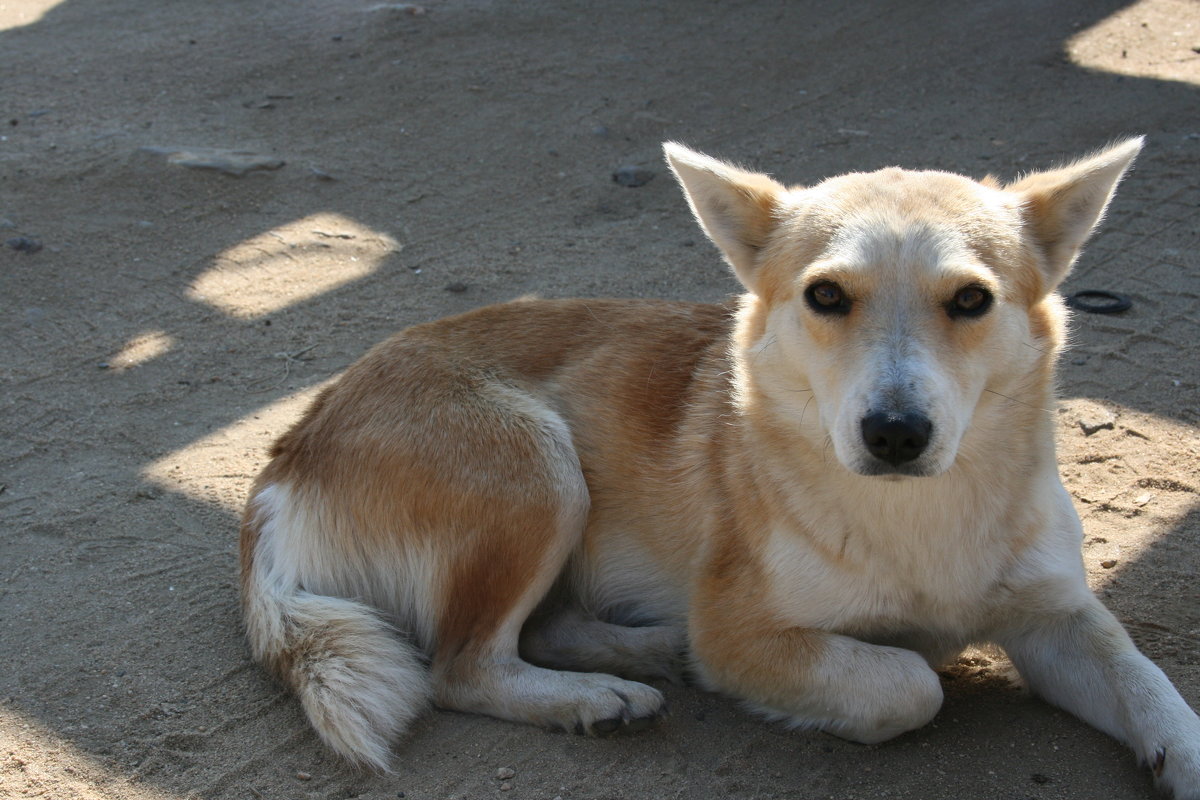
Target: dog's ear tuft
(1061, 207)
(735, 208)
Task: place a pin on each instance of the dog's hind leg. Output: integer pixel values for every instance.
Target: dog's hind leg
(571, 639)
(499, 572)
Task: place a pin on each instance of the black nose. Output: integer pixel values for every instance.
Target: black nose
(894, 437)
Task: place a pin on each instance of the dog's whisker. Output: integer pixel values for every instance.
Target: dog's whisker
(1015, 400)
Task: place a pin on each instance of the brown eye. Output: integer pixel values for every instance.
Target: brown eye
(970, 301)
(826, 297)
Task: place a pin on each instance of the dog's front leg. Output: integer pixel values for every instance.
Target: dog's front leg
(811, 678)
(1085, 662)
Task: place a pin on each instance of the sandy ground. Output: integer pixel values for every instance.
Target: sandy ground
(175, 319)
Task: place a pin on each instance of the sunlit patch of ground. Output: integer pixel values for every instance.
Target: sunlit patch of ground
(1148, 39)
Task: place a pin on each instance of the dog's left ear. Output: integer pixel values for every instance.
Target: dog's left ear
(735, 208)
(1061, 207)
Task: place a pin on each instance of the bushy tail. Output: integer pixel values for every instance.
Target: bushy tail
(360, 684)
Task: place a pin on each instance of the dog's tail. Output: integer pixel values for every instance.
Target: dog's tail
(358, 681)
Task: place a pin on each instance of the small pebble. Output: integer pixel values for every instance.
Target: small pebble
(633, 177)
(504, 787)
(504, 773)
(457, 287)
(1108, 564)
(404, 8)
(601, 131)
(304, 776)
(1095, 419)
(24, 244)
(237, 163)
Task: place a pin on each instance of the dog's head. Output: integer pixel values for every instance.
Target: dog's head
(889, 310)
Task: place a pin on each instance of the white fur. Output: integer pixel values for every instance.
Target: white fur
(865, 693)
(358, 681)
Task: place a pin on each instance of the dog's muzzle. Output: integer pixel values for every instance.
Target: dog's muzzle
(896, 438)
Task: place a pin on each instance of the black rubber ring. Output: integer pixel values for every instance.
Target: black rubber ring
(1111, 302)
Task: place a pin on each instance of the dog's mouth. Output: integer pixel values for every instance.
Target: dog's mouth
(875, 468)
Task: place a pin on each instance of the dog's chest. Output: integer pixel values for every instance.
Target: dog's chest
(887, 584)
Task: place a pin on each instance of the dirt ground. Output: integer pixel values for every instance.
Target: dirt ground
(161, 323)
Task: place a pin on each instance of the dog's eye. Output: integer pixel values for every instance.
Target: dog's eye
(826, 297)
(970, 301)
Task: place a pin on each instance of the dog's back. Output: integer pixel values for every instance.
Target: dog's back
(370, 496)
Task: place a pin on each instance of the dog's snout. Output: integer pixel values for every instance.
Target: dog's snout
(896, 437)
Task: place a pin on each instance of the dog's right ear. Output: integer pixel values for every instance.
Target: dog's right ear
(735, 208)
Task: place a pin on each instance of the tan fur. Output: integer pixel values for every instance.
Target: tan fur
(810, 508)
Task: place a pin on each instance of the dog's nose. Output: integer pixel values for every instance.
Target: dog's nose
(895, 437)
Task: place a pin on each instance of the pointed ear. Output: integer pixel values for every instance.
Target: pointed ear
(1061, 207)
(735, 208)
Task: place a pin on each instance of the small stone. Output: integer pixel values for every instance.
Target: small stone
(303, 776)
(504, 787)
(1112, 562)
(633, 177)
(231, 162)
(601, 131)
(1142, 499)
(504, 773)
(410, 9)
(1038, 777)
(458, 287)
(1096, 418)
(24, 244)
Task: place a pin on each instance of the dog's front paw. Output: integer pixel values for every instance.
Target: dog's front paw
(862, 692)
(899, 693)
(1177, 770)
